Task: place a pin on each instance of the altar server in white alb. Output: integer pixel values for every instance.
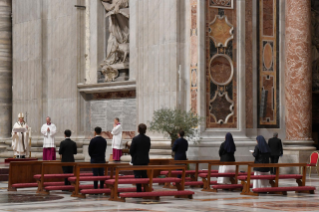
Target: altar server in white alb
(48, 130)
(117, 140)
(20, 138)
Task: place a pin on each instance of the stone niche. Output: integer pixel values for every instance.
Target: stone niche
(115, 64)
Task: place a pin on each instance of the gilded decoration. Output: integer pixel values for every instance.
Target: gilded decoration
(221, 31)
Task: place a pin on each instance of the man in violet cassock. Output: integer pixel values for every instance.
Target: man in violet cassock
(48, 130)
(117, 140)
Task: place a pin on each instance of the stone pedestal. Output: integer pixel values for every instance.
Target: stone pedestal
(298, 81)
(294, 156)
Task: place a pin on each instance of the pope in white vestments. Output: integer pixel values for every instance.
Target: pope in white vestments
(48, 131)
(20, 138)
(117, 140)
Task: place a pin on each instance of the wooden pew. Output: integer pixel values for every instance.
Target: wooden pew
(148, 183)
(193, 173)
(21, 174)
(52, 171)
(233, 176)
(109, 168)
(159, 162)
(300, 179)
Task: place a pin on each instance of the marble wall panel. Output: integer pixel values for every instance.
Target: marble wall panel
(249, 63)
(298, 75)
(268, 62)
(221, 75)
(45, 59)
(27, 62)
(194, 57)
(158, 31)
(315, 45)
(103, 113)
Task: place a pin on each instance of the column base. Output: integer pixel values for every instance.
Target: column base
(295, 154)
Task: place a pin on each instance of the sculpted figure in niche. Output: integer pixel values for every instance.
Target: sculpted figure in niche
(118, 42)
(315, 43)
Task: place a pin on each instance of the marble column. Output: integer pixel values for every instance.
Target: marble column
(298, 75)
(5, 68)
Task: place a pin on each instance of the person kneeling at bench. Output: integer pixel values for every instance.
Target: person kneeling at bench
(67, 151)
(139, 151)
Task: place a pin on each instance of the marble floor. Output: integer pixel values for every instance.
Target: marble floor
(224, 201)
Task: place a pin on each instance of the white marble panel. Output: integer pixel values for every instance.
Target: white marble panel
(103, 113)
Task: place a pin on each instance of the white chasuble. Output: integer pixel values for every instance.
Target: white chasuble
(20, 139)
(48, 135)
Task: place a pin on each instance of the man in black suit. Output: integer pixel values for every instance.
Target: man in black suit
(97, 149)
(67, 151)
(276, 150)
(139, 151)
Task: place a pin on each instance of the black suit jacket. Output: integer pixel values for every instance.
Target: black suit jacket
(276, 146)
(139, 150)
(97, 149)
(180, 148)
(68, 149)
(224, 155)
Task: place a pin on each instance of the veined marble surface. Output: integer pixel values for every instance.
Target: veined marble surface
(224, 201)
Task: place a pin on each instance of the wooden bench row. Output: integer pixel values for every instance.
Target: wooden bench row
(51, 172)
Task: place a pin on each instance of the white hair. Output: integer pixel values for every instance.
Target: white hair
(49, 117)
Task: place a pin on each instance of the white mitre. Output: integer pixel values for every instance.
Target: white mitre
(20, 115)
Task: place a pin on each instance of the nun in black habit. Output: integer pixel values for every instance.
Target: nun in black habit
(226, 153)
(261, 153)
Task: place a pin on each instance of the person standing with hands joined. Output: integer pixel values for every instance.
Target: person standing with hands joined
(97, 148)
(139, 151)
(48, 131)
(117, 140)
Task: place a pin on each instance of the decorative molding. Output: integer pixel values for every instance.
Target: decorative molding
(115, 95)
(107, 87)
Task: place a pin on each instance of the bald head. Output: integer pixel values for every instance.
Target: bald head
(48, 120)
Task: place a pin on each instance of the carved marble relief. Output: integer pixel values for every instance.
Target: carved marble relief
(315, 44)
(268, 62)
(227, 4)
(221, 67)
(117, 56)
(194, 57)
